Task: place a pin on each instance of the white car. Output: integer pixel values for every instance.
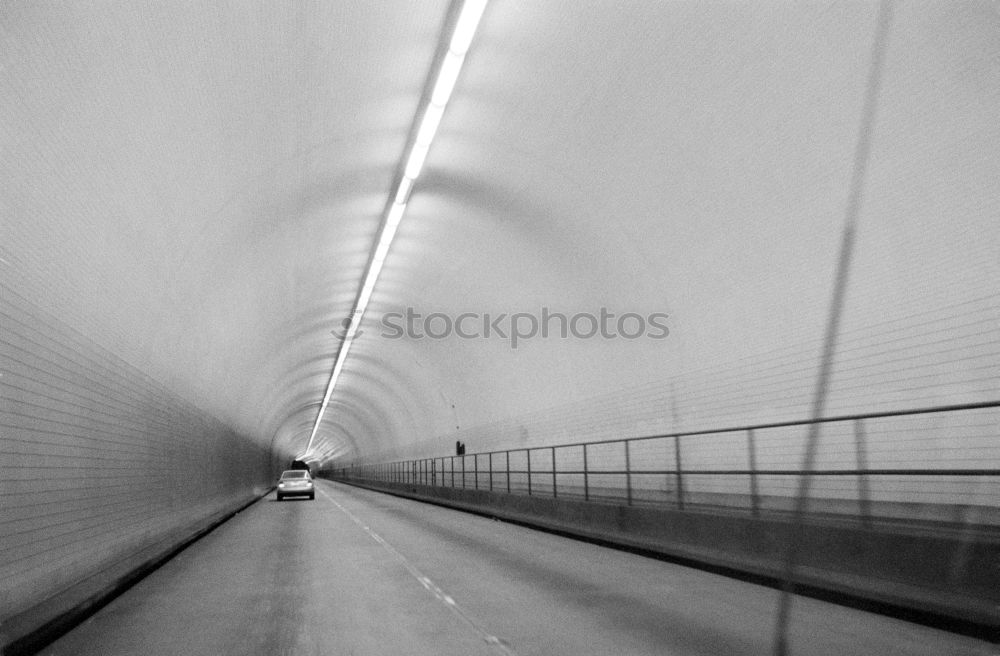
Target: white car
(296, 483)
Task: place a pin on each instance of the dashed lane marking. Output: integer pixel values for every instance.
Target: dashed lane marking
(439, 594)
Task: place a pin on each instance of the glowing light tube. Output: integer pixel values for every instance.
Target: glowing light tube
(430, 114)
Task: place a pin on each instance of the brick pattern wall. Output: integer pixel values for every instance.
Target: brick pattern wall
(98, 461)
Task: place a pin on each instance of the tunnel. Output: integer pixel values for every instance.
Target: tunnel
(712, 285)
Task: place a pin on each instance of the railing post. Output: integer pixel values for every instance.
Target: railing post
(864, 491)
(680, 477)
(586, 483)
(553, 472)
(628, 475)
(752, 455)
(475, 470)
(463, 471)
(528, 451)
(453, 471)
(491, 471)
(508, 471)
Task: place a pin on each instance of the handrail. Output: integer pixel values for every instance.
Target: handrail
(777, 424)
(544, 477)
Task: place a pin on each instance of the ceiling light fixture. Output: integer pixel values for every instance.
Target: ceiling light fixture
(448, 69)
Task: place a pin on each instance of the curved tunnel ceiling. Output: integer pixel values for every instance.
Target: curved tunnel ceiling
(199, 188)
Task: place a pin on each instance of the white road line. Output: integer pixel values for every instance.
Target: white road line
(431, 587)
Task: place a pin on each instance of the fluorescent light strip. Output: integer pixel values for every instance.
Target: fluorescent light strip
(430, 123)
(465, 28)
(403, 192)
(416, 160)
(444, 84)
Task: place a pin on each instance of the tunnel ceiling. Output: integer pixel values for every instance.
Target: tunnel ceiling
(197, 186)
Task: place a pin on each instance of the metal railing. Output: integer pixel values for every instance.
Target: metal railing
(917, 467)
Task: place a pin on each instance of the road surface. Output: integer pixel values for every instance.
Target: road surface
(361, 573)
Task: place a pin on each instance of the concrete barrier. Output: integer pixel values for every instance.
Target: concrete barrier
(949, 574)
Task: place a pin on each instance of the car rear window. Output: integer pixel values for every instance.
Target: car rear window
(295, 474)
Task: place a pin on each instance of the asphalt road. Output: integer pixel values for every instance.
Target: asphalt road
(361, 573)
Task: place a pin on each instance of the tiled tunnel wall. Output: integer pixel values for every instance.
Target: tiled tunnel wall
(100, 465)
